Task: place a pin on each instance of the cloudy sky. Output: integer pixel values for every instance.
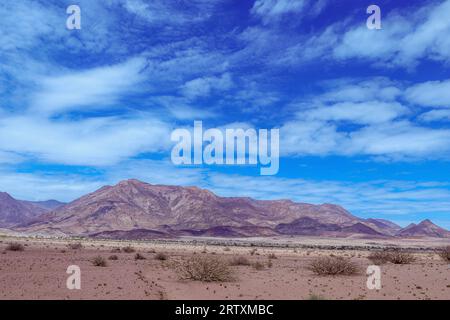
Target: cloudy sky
(363, 114)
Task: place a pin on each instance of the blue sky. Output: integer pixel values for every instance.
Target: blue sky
(363, 114)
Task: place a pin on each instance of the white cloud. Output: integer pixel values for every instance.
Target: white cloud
(202, 87)
(435, 115)
(430, 94)
(95, 141)
(159, 12)
(361, 90)
(369, 112)
(407, 36)
(400, 139)
(94, 88)
(272, 9)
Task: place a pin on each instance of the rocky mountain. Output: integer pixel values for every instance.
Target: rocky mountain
(424, 229)
(383, 226)
(15, 212)
(136, 210)
(175, 210)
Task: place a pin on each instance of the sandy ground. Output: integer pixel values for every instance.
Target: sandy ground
(39, 272)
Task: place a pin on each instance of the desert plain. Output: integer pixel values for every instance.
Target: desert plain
(268, 269)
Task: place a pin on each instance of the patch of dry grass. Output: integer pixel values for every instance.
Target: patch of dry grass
(333, 265)
(161, 256)
(205, 268)
(75, 246)
(258, 266)
(139, 256)
(128, 249)
(240, 261)
(99, 261)
(444, 253)
(392, 256)
(15, 247)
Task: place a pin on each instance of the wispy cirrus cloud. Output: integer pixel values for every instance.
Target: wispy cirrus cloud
(92, 89)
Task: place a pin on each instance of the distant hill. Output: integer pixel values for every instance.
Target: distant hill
(136, 210)
(424, 229)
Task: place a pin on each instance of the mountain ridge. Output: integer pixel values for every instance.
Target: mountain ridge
(132, 208)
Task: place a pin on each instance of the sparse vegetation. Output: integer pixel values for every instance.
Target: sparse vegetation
(161, 256)
(444, 253)
(75, 246)
(314, 296)
(128, 249)
(379, 257)
(240, 261)
(205, 268)
(99, 261)
(333, 266)
(15, 247)
(392, 256)
(258, 266)
(139, 256)
(272, 256)
(113, 257)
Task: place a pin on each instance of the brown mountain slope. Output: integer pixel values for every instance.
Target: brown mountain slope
(383, 226)
(14, 212)
(133, 204)
(136, 210)
(424, 229)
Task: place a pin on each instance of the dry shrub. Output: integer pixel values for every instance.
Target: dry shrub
(392, 256)
(258, 266)
(116, 250)
(333, 266)
(128, 249)
(399, 257)
(161, 256)
(205, 268)
(379, 257)
(139, 256)
(272, 256)
(75, 246)
(99, 261)
(113, 257)
(444, 253)
(15, 247)
(240, 261)
(226, 249)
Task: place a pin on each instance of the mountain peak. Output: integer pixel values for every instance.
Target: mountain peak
(425, 228)
(131, 182)
(426, 222)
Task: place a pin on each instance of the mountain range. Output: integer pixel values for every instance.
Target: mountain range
(133, 209)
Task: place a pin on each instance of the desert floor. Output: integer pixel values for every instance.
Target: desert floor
(39, 272)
